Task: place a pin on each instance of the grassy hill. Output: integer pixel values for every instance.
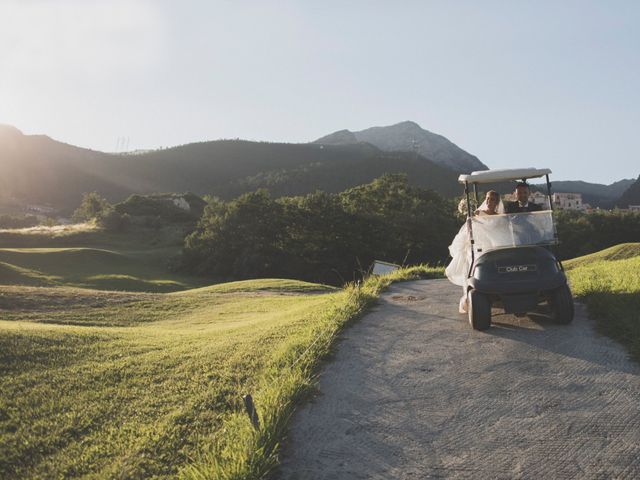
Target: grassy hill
(137, 385)
(118, 269)
(104, 383)
(609, 282)
(36, 169)
(131, 385)
(86, 257)
(623, 251)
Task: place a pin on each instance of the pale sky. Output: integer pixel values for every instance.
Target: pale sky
(518, 83)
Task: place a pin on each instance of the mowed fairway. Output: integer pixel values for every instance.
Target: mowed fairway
(87, 257)
(133, 385)
(102, 268)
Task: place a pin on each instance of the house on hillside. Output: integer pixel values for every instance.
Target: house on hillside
(540, 199)
(634, 208)
(568, 201)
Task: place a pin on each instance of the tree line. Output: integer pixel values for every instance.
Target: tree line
(583, 233)
(334, 238)
(323, 237)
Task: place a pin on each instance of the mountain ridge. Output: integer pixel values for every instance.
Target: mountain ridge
(631, 196)
(411, 137)
(39, 170)
(595, 194)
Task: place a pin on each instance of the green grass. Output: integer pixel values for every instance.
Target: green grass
(137, 385)
(617, 252)
(609, 282)
(85, 256)
(89, 235)
(264, 284)
(109, 269)
(131, 385)
(246, 453)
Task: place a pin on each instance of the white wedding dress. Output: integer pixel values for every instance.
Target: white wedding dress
(460, 250)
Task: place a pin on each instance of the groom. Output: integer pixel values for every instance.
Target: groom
(522, 204)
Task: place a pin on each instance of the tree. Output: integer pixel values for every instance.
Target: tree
(95, 208)
(242, 238)
(91, 207)
(402, 221)
(583, 233)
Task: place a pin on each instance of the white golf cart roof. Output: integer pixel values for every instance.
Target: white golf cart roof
(503, 175)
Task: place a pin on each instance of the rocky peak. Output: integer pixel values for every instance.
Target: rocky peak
(409, 136)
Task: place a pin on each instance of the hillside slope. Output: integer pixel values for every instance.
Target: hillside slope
(595, 194)
(617, 252)
(631, 196)
(39, 170)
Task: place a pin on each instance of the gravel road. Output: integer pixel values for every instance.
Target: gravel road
(413, 392)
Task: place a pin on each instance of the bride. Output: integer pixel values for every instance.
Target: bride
(460, 248)
(492, 204)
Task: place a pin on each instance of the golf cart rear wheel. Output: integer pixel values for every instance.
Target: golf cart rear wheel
(479, 310)
(561, 303)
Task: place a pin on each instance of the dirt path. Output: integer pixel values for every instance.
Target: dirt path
(413, 392)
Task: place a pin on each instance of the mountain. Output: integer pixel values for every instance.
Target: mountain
(37, 170)
(595, 194)
(631, 196)
(410, 137)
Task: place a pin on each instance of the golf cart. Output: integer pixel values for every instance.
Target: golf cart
(511, 262)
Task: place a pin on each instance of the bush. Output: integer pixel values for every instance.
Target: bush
(163, 207)
(95, 208)
(112, 221)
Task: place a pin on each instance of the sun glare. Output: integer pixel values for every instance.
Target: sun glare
(95, 37)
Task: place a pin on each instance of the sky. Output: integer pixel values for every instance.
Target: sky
(517, 83)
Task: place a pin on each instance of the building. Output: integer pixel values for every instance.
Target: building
(568, 201)
(540, 199)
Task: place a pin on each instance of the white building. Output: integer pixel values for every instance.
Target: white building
(568, 201)
(539, 198)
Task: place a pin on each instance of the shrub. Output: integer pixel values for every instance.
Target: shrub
(112, 221)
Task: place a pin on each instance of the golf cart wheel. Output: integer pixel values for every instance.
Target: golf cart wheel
(561, 303)
(479, 310)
